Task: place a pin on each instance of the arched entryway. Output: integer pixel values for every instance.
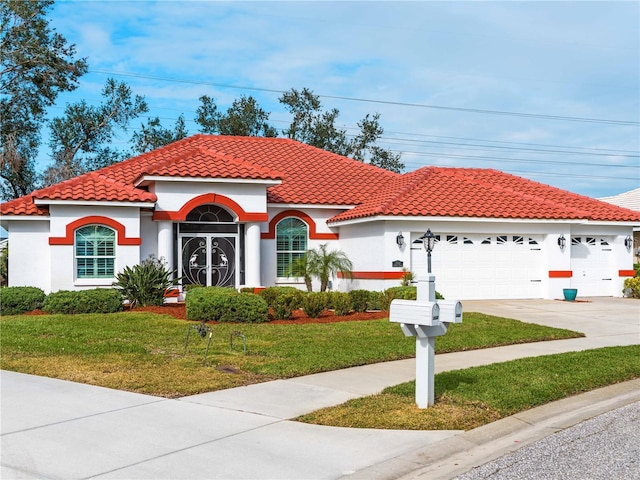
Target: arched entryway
(210, 246)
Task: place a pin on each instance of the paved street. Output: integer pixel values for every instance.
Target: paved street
(605, 447)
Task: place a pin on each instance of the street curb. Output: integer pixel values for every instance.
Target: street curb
(459, 454)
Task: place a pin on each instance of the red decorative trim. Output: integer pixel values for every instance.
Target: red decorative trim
(171, 292)
(92, 220)
(375, 275)
(181, 215)
(627, 273)
(313, 234)
(560, 274)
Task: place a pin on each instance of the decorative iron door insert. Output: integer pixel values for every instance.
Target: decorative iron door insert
(208, 260)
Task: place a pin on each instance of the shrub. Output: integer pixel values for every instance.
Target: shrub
(375, 301)
(283, 300)
(271, 293)
(97, 300)
(313, 304)
(341, 303)
(360, 300)
(225, 305)
(17, 300)
(144, 284)
(402, 293)
(634, 285)
(286, 303)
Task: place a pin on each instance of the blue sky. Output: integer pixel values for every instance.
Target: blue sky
(405, 60)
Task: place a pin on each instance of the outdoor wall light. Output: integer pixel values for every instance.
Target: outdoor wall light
(562, 242)
(400, 239)
(428, 241)
(628, 242)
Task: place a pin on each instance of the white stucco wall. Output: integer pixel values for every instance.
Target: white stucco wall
(148, 235)
(172, 195)
(29, 254)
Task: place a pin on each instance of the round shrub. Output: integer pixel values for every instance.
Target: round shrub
(283, 300)
(314, 303)
(97, 300)
(341, 303)
(402, 293)
(225, 305)
(18, 300)
(360, 300)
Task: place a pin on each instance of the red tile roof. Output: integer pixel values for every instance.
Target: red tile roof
(483, 193)
(199, 162)
(312, 176)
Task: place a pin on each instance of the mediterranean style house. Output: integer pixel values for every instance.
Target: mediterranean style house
(235, 211)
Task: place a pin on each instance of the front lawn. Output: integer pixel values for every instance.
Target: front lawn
(472, 397)
(143, 352)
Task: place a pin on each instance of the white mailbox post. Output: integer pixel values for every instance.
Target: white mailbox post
(425, 319)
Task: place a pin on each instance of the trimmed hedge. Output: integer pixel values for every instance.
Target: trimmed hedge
(18, 300)
(314, 303)
(402, 293)
(225, 305)
(283, 300)
(341, 303)
(97, 300)
(360, 299)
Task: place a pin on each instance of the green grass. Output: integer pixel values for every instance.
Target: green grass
(143, 352)
(468, 398)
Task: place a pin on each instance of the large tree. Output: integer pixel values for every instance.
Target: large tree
(363, 147)
(313, 126)
(36, 64)
(79, 140)
(245, 117)
(153, 135)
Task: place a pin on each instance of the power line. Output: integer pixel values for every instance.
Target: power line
(388, 102)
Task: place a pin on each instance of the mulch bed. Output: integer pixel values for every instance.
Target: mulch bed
(299, 317)
(179, 311)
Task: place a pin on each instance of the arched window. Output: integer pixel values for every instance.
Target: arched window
(209, 213)
(95, 252)
(291, 243)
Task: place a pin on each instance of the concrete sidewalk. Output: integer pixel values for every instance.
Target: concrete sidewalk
(57, 429)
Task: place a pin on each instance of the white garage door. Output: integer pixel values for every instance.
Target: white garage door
(472, 266)
(591, 264)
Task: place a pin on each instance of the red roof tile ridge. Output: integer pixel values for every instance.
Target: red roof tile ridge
(399, 187)
(253, 169)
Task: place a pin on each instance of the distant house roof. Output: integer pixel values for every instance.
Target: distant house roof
(295, 173)
(630, 200)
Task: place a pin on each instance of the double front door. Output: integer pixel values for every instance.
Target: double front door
(208, 259)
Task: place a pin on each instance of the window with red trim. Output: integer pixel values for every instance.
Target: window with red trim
(95, 251)
(291, 243)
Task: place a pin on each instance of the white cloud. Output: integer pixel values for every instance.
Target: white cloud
(576, 59)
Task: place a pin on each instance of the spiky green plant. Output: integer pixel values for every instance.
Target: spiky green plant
(144, 284)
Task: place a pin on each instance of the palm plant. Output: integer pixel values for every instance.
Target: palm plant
(325, 265)
(300, 268)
